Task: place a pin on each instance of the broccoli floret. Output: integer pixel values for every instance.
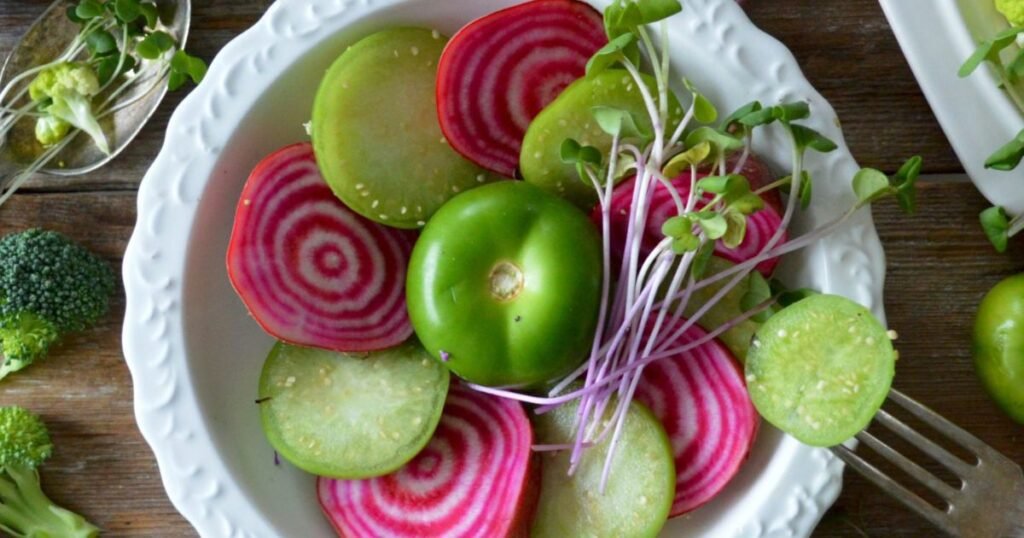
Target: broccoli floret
(1013, 10)
(67, 89)
(50, 130)
(49, 286)
(25, 511)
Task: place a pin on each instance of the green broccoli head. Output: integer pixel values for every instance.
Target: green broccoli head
(24, 439)
(65, 90)
(49, 286)
(24, 509)
(50, 130)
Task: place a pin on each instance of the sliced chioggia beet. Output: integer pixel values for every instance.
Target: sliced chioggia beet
(350, 415)
(639, 489)
(761, 225)
(820, 369)
(701, 399)
(474, 479)
(500, 70)
(311, 271)
(376, 134)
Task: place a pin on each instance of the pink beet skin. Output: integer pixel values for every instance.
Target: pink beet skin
(311, 271)
(701, 398)
(476, 478)
(500, 70)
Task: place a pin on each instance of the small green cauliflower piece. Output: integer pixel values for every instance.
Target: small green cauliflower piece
(25, 511)
(49, 286)
(1013, 10)
(65, 93)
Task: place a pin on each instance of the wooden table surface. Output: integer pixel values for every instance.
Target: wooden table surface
(939, 266)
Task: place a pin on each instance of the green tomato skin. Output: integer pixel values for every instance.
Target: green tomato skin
(999, 345)
(546, 328)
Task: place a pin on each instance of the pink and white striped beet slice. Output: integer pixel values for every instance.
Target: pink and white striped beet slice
(701, 398)
(311, 271)
(476, 478)
(760, 226)
(500, 70)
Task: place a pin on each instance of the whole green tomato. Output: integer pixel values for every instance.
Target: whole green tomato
(504, 285)
(999, 345)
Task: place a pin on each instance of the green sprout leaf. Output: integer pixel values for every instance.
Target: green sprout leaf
(624, 16)
(737, 229)
(677, 226)
(105, 68)
(996, 224)
(88, 9)
(790, 112)
(747, 203)
(721, 143)
(703, 110)
(610, 54)
(73, 15)
(1009, 156)
(618, 122)
(1015, 69)
(905, 182)
(713, 224)
(699, 265)
(657, 10)
(685, 243)
(758, 291)
(870, 184)
(805, 137)
(194, 67)
(990, 50)
(806, 188)
(682, 162)
(757, 117)
(100, 42)
(176, 80)
(155, 45)
(733, 120)
(569, 151)
(127, 10)
(590, 155)
(719, 184)
(150, 13)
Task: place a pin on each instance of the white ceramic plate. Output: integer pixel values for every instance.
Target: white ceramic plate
(195, 355)
(937, 36)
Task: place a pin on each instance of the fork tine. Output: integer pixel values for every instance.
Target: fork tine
(943, 489)
(943, 456)
(901, 493)
(938, 422)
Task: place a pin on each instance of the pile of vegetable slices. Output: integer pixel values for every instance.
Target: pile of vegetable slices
(521, 287)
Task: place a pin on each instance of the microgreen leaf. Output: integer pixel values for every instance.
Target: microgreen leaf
(905, 182)
(790, 112)
(1008, 156)
(105, 68)
(703, 110)
(569, 151)
(805, 188)
(721, 143)
(734, 119)
(691, 157)
(154, 45)
(699, 265)
(989, 50)
(657, 10)
(870, 184)
(100, 42)
(685, 243)
(88, 9)
(757, 117)
(590, 155)
(715, 184)
(176, 80)
(127, 10)
(737, 229)
(758, 291)
(618, 122)
(747, 203)
(996, 224)
(805, 137)
(183, 62)
(609, 54)
(624, 16)
(150, 13)
(713, 224)
(677, 226)
(72, 15)
(1015, 69)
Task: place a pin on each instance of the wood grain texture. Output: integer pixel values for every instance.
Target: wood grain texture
(939, 267)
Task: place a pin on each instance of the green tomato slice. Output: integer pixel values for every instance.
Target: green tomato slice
(571, 115)
(640, 488)
(504, 285)
(350, 415)
(376, 134)
(820, 369)
(999, 345)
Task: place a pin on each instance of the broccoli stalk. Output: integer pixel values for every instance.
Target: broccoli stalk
(49, 286)
(65, 93)
(25, 511)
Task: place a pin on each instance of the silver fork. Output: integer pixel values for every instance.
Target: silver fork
(990, 500)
